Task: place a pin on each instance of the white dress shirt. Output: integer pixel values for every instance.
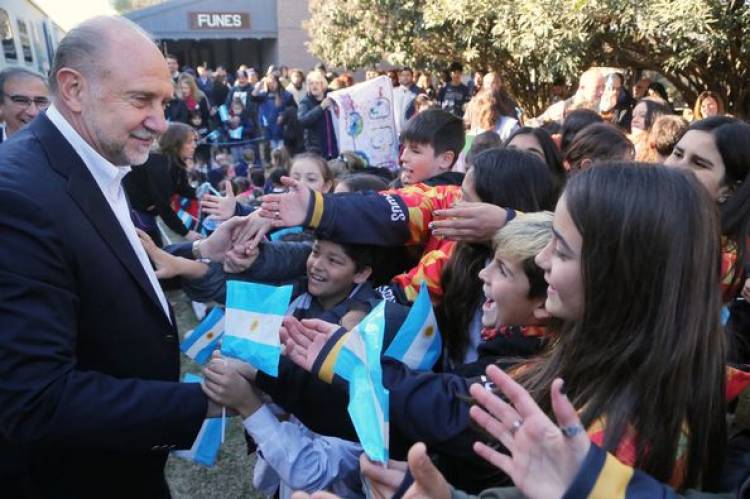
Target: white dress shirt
(109, 179)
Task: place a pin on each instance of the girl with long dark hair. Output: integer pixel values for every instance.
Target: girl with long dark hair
(642, 351)
(717, 150)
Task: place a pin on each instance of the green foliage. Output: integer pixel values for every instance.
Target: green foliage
(696, 44)
(125, 6)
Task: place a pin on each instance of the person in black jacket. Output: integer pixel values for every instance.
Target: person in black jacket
(315, 117)
(150, 186)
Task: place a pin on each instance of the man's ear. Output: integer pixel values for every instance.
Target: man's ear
(71, 87)
(362, 275)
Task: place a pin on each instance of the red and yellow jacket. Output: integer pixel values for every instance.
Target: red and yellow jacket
(391, 218)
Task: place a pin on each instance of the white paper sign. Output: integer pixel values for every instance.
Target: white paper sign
(364, 121)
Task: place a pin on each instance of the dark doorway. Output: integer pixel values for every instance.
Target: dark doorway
(227, 52)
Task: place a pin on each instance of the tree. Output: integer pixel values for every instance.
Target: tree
(696, 44)
(125, 6)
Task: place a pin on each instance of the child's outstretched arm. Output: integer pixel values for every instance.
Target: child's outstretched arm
(168, 265)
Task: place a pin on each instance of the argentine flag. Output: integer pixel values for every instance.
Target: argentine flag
(359, 364)
(206, 445)
(417, 343)
(187, 219)
(253, 318)
(203, 340)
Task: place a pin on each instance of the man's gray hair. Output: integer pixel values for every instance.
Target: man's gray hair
(16, 72)
(85, 47)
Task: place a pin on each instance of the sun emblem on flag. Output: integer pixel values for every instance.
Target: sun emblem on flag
(209, 335)
(254, 325)
(429, 331)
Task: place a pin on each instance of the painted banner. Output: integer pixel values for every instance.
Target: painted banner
(364, 121)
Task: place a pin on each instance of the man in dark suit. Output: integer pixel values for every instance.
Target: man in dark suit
(90, 402)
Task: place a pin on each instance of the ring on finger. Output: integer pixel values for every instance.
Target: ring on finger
(571, 431)
(515, 426)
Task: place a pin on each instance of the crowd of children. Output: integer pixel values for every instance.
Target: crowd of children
(548, 252)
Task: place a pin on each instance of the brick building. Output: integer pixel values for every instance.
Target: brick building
(230, 32)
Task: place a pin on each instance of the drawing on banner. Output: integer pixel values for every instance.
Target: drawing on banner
(381, 109)
(356, 125)
(382, 138)
(364, 121)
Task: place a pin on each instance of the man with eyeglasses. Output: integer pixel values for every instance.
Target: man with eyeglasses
(23, 95)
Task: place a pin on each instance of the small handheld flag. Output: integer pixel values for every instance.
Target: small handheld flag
(206, 445)
(235, 133)
(223, 113)
(253, 318)
(204, 339)
(359, 364)
(417, 343)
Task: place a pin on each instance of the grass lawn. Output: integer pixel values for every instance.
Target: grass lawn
(231, 477)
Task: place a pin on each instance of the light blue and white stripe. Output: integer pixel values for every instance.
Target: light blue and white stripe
(359, 364)
(253, 318)
(206, 446)
(204, 339)
(417, 343)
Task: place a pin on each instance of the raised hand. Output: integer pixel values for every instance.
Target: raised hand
(238, 261)
(305, 340)
(220, 207)
(472, 222)
(248, 235)
(215, 246)
(544, 458)
(287, 209)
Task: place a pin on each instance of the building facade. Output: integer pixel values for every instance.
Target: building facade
(27, 35)
(257, 33)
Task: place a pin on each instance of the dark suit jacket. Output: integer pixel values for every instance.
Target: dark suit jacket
(88, 359)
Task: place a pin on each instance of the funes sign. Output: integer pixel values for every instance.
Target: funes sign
(219, 20)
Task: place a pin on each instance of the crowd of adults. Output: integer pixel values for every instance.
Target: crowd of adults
(587, 268)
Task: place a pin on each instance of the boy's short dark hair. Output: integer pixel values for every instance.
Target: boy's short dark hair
(361, 254)
(456, 66)
(440, 129)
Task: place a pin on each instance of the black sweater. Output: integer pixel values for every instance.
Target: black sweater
(150, 187)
